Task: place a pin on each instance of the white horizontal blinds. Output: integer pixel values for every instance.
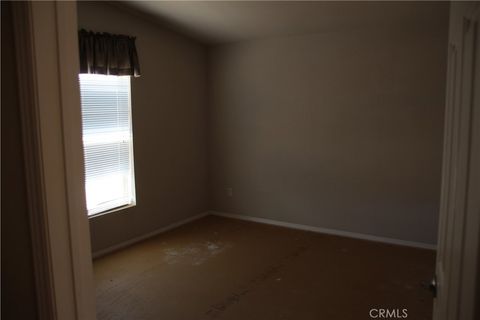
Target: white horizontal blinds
(107, 140)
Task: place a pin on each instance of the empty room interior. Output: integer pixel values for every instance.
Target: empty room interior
(251, 160)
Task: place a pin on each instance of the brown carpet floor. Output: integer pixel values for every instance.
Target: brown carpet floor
(218, 268)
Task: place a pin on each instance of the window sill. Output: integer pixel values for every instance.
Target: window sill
(116, 209)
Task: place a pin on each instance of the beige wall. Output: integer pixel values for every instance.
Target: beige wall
(169, 127)
(341, 130)
(18, 284)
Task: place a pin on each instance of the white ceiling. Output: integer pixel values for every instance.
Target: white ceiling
(230, 21)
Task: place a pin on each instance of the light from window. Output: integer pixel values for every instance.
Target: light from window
(107, 142)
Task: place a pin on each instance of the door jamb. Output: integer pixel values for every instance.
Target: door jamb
(46, 49)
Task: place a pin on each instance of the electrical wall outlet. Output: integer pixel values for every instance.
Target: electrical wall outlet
(229, 191)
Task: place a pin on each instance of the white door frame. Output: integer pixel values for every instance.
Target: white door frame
(459, 229)
(46, 48)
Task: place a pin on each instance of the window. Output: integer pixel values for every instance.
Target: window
(107, 142)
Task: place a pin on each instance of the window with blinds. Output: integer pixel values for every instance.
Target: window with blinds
(107, 142)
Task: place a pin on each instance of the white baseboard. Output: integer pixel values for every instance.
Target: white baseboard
(100, 253)
(327, 231)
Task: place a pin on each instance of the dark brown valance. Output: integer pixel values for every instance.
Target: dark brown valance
(104, 53)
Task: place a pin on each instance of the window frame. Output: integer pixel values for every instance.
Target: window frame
(102, 210)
